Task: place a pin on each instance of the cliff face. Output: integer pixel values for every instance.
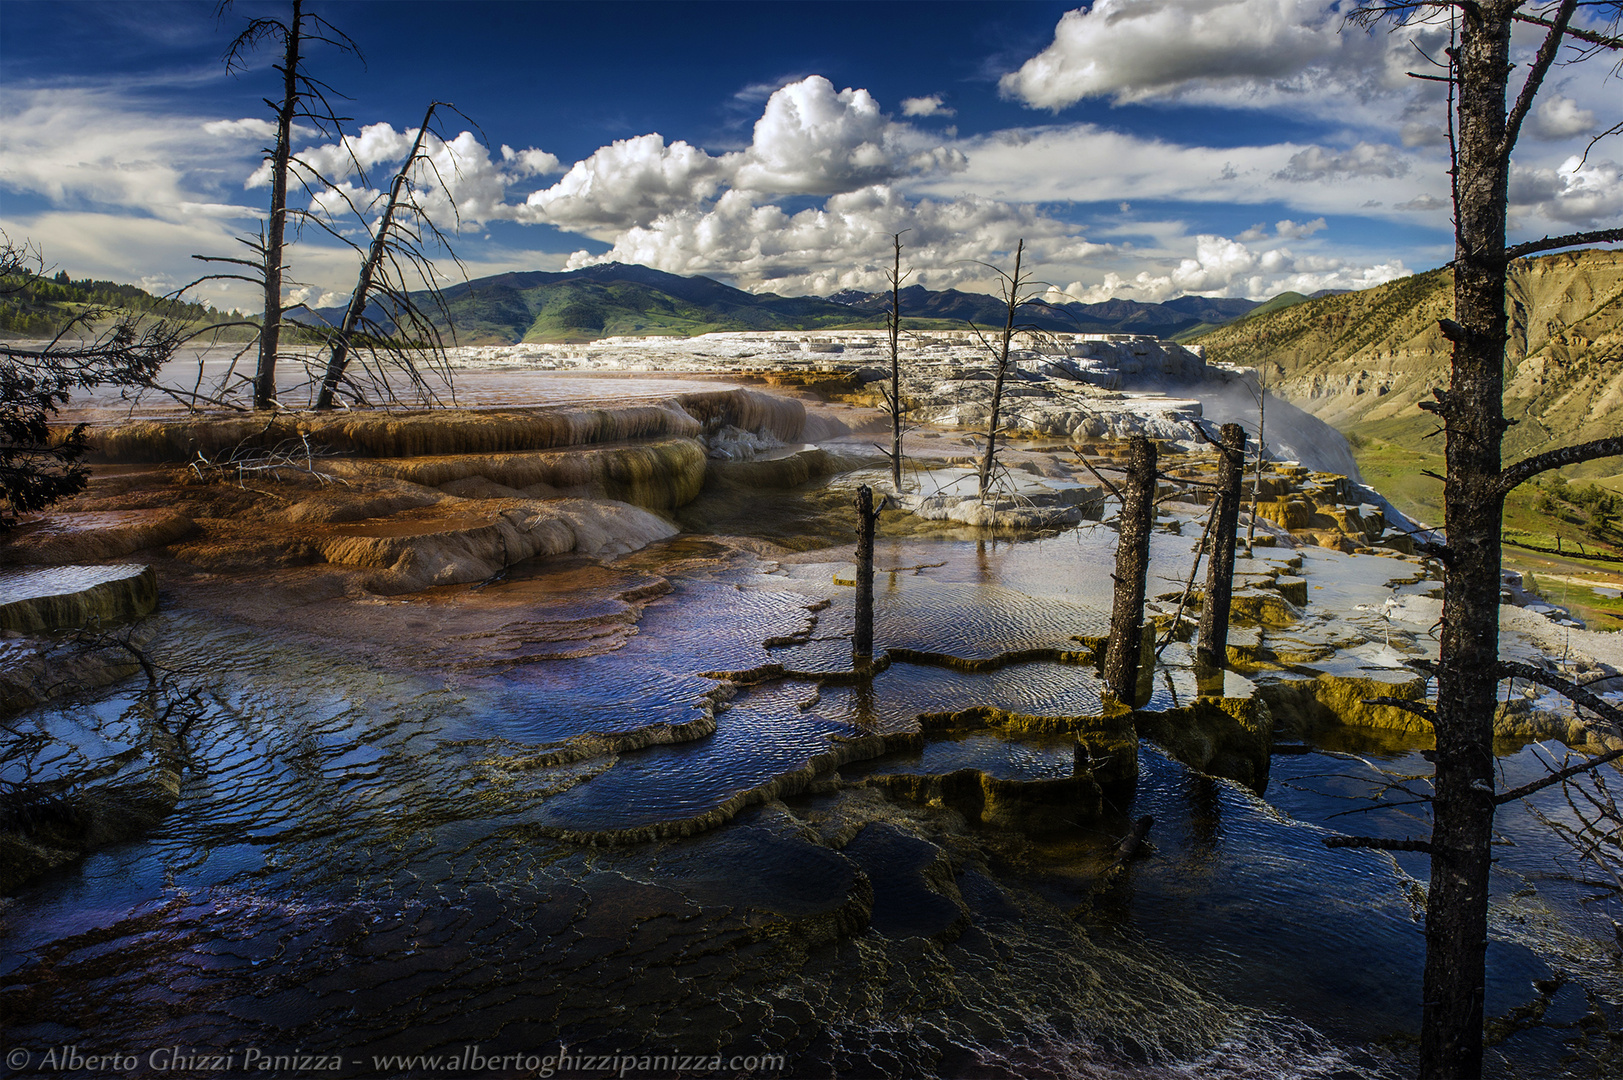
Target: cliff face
(1362, 361)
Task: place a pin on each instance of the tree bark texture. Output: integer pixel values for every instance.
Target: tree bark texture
(270, 330)
(1136, 518)
(1467, 672)
(862, 637)
(1212, 644)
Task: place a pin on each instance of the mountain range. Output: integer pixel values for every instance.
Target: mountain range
(617, 299)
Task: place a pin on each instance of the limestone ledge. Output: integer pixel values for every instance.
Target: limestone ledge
(34, 670)
(438, 432)
(49, 825)
(786, 784)
(68, 597)
(85, 536)
(1230, 737)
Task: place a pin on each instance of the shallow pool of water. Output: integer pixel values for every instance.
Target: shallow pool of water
(361, 857)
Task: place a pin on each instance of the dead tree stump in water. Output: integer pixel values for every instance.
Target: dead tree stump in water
(1132, 567)
(1212, 648)
(862, 638)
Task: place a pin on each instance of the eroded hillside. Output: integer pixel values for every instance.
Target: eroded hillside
(1362, 361)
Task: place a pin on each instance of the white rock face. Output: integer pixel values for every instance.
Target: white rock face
(1072, 387)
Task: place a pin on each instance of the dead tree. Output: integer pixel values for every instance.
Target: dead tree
(397, 241)
(303, 98)
(1468, 672)
(1262, 442)
(893, 396)
(1014, 286)
(1136, 519)
(1214, 613)
(862, 636)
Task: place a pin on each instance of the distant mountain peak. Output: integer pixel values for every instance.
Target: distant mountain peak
(628, 299)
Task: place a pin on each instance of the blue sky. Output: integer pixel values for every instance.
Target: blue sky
(1143, 148)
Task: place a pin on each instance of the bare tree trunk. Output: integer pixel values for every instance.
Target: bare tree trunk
(1256, 481)
(862, 637)
(1472, 410)
(339, 356)
(894, 325)
(270, 332)
(1014, 301)
(1467, 673)
(1136, 519)
(1212, 648)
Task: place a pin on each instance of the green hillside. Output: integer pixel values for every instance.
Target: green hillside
(1277, 303)
(585, 311)
(40, 307)
(626, 300)
(1363, 361)
(616, 300)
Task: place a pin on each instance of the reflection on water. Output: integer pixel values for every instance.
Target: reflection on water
(358, 861)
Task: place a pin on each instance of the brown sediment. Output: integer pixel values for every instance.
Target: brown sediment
(591, 744)
(784, 418)
(788, 471)
(448, 542)
(660, 475)
(1305, 705)
(1265, 606)
(34, 670)
(1108, 740)
(1520, 723)
(1091, 653)
(442, 431)
(91, 536)
(764, 673)
(1031, 806)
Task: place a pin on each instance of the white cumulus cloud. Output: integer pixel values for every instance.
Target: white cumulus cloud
(845, 243)
(1220, 266)
(814, 140)
(77, 145)
(627, 183)
(1290, 230)
(1573, 194)
(1561, 117)
(1130, 50)
(933, 105)
(531, 162)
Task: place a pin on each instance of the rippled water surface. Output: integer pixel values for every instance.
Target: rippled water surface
(362, 858)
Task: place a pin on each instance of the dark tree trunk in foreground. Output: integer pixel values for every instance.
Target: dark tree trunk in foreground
(862, 638)
(1212, 644)
(1472, 411)
(1467, 674)
(1136, 518)
(270, 332)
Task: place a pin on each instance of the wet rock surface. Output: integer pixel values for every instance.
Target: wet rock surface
(60, 597)
(633, 793)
